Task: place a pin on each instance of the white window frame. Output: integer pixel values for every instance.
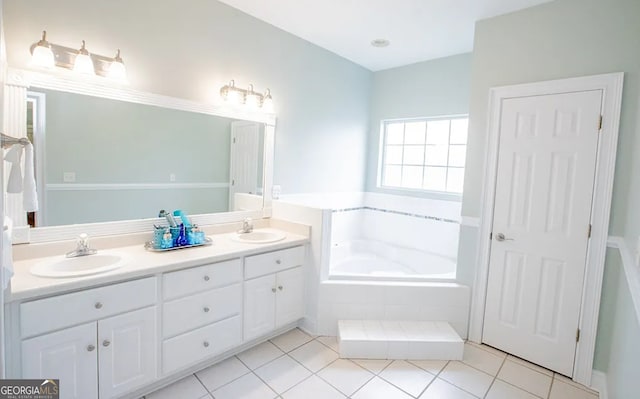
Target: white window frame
(381, 153)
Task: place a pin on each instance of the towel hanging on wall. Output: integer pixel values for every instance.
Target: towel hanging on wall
(17, 182)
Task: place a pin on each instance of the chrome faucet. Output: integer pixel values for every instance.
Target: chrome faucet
(247, 226)
(82, 247)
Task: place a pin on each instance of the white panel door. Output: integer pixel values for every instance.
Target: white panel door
(69, 355)
(290, 296)
(259, 306)
(128, 351)
(546, 172)
(244, 155)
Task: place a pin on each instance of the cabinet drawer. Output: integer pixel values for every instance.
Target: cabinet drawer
(271, 262)
(201, 278)
(60, 311)
(201, 309)
(197, 345)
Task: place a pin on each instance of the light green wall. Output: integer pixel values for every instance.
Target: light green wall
(431, 88)
(617, 351)
(189, 50)
(562, 39)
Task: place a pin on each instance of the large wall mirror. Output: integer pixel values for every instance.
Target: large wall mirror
(118, 155)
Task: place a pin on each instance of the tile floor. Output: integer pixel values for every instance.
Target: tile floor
(297, 366)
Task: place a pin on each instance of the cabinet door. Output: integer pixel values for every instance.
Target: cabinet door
(128, 351)
(290, 297)
(259, 306)
(69, 355)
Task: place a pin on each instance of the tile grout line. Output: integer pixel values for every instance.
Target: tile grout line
(434, 378)
(495, 377)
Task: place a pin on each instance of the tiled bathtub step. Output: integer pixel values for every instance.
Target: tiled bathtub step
(382, 339)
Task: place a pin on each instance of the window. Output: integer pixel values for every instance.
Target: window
(424, 154)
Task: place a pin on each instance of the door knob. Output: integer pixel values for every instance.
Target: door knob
(501, 237)
(280, 287)
(273, 289)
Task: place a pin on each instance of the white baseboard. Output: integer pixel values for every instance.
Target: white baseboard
(599, 383)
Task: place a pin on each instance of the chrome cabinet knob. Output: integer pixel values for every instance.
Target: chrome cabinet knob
(501, 237)
(205, 344)
(207, 278)
(91, 348)
(280, 287)
(273, 289)
(106, 343)
(98, 305)
(206, 309)
(278, 261)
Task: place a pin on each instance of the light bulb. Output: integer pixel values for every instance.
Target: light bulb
(117, 70)
(267, 102)
(83, 63)
(41, 55)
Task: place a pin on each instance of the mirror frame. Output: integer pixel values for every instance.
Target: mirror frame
(15, 98)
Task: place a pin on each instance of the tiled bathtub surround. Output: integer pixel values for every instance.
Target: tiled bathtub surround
(414, 215)
(382, 295)
(297, 366)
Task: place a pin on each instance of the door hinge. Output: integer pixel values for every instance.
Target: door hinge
(578, 335)
(589, 232)
(600, 123)
(233, 182)
(234, 140)
(490, 236)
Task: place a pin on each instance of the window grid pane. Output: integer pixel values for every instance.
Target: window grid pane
(426, 154)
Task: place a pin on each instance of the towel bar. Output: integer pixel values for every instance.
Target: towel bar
(8, 141)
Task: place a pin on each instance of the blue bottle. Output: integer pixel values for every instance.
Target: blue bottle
(182, 237)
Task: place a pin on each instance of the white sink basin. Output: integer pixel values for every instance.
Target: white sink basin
(80, 266)
(259, 237)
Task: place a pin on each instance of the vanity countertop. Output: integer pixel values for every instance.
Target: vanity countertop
(140, 263)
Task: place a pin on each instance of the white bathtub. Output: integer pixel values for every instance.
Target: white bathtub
(376, 260)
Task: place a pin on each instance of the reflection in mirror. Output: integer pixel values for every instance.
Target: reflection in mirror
(101, 160)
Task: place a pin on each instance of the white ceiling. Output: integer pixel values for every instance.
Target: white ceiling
(418, 30)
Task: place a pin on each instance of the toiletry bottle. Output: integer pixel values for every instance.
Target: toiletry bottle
(183, 217)
(167, 240)
(182, 238)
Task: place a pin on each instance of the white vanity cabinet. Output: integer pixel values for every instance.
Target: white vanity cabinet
(116, 353)
(126, 339)
(201, 314)
(273, 291)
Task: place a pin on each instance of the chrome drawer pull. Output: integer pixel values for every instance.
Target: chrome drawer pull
(206, 309)
(91, 348)
(98, 305)
(278, 261)
(106, 343)
(280, 287)
(273, 289)
(206, 278)
(205, 344)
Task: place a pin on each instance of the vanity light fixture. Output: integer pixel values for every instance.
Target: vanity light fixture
(117, 71)
(48, 55)
(83, 63)
(233, 95)
(42, 56)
